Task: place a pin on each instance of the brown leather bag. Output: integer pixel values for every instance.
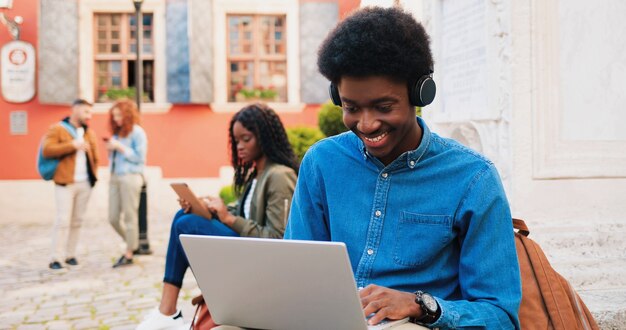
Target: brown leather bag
(202, 319)
(548, 300)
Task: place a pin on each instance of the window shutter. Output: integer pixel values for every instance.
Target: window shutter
(177, 52)
(316, 19)
(201, 51)
(58, 51)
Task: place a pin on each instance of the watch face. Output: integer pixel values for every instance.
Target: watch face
(429, 302)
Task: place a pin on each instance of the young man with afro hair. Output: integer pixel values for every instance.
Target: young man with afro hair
(425, 220)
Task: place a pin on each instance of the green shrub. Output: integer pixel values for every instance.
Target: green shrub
(301, 138)
(330, 119)
(119, 93)
(227, 194)
(114, 93)
(418, 111)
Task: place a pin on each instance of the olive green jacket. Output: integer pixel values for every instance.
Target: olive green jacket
(269, 208)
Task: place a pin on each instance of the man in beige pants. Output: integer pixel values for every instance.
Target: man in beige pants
(76, 148)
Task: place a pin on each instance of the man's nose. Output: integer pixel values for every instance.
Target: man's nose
(368, 123)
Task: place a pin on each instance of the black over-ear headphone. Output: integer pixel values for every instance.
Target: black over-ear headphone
(421, 91)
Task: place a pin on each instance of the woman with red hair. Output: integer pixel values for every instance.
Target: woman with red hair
(127, 154)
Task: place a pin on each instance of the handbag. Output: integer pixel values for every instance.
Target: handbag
(202, 318)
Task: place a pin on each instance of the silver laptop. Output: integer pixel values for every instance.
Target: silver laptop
(277, 284)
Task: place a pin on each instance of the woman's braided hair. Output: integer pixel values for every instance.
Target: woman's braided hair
(270, 133)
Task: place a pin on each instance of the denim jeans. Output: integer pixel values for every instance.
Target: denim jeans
(176, 263)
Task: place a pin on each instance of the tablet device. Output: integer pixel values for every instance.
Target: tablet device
(197, 206)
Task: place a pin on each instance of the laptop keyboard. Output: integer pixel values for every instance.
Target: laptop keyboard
(386, 324)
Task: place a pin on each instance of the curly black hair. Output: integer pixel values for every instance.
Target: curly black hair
(270, 133)
(376, 41)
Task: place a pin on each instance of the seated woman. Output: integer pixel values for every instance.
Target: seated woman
(265, 176)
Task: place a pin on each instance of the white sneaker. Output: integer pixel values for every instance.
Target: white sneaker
(157, 321)
(185, 326)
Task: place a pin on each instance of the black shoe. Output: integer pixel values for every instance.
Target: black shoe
(123, 262)
(71, 261)
(142, 251)
(55, 265)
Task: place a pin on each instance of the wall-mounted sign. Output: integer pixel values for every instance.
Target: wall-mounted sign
(17, 63)
(19, 122)
(6, 4)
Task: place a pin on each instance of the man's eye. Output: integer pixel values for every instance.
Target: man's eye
(349, 108)
(384, 108)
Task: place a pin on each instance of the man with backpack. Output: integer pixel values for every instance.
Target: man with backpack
(74, 146)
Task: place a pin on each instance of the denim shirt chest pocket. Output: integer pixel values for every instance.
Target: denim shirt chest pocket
(420, 237)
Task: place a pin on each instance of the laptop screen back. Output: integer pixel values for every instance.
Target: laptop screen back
(275, 284)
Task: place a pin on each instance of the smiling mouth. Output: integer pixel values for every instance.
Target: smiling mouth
(376, 138)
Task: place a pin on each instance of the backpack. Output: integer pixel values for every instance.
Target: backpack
(48, 166)
(548, 300)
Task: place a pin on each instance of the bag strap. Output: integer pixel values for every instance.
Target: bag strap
(197, 300)
(69, 128)
(521, 227)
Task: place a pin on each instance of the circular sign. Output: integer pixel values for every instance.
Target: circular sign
(17, 56)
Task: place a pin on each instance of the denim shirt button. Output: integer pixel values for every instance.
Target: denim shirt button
(370, 252)
(377, 213)
(385, 175)
(412, 163)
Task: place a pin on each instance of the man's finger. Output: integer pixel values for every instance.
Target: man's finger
(379, 316)
(371, 307)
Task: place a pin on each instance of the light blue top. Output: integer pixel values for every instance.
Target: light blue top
(436, 219)
(133, 159)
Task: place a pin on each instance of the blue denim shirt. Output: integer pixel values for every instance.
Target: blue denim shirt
(133, 159)
(436, 219)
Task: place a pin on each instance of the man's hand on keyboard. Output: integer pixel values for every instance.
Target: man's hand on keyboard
(387, 303)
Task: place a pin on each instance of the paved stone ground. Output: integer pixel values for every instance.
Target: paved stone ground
(91, 295)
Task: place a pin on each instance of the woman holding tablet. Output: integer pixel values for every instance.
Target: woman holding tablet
(265, 176)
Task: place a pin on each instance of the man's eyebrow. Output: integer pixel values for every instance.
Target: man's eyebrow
(374, 101)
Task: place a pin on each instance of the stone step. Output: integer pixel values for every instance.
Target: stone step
(604, 241)
(589, 274)
(608, 307)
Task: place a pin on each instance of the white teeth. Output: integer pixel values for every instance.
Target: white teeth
(376, 139)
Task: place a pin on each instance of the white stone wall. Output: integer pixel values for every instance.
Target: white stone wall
(562, 174)
(544, 101)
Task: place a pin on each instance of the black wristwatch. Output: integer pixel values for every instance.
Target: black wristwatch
(430, 308)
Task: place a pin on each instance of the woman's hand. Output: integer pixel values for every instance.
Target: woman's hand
(184, 205)
(217, 206)
(114, 144)
(388, 303)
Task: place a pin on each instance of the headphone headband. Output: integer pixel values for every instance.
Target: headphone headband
(421, 92)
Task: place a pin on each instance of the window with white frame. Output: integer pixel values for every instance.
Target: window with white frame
(107, 34)
(256, 54)
(115, 45)
(257, 58)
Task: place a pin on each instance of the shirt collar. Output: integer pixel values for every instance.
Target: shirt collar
(411, 157)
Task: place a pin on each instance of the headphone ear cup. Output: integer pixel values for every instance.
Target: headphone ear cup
(334, 94)
(422, 93)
